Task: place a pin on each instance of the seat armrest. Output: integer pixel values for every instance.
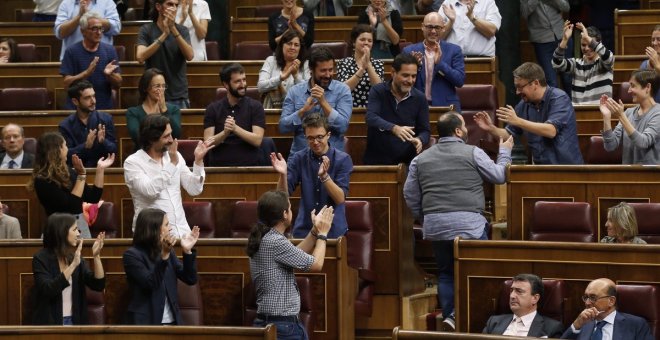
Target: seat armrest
(367, 275)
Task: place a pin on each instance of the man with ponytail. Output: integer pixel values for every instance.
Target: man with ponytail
(273, 259)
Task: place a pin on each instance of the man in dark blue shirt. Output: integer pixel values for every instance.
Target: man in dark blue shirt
(545, 115)
(397, 116)
(323, 173)
(88, 133)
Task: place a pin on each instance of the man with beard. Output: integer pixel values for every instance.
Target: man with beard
(155, 174)
(235, 122)
(90, 134)
(322, 94)
(442, 67)
(544, 115)
(397, 116)
(444, 189)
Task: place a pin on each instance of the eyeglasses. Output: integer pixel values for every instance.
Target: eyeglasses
(159, 86)
(318, 138)
(96, 29)
(433, 27)
(593, 298)
(521, 87)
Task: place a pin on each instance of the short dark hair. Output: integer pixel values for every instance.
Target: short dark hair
(319, 54)
(534, 281)
(530, 71)
(228, 70)
(315, 120)
(145, 82)
(594, 32)
(77, 87)
(404, 59)
(285, 38)
(359, 29)
(153, 12)
(147, 231)
(645, 77)
(13, 49)
(448, 122)
(151, 128)
(56, 234)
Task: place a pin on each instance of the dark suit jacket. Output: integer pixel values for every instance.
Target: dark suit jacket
(541, 326)
(448, 74)
(28, 160)
(150, 281)
(626, 327)
(48, 285)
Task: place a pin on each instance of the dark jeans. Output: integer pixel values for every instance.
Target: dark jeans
(180, 103)
(444, 258)
(544, 58)
(286, 330)
(37, 17)
(67, 321)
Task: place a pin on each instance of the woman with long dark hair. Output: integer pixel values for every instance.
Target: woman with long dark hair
(273, 258)
(60, 188)
(60, 274)
(152, 269)
(8, 51)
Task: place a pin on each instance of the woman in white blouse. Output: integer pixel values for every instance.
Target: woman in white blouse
(283, 70)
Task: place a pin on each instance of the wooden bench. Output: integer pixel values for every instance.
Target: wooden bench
(400, 334)
(143, 332)
(632, 30)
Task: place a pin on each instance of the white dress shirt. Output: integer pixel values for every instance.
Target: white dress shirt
(201, 12)
(18, 160)
(465, 34)
(520, 329)
(154, 184)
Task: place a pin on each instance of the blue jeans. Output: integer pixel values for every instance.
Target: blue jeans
(67, 321)
(444, 258)
(180, 103)
(544, 53)
(285, 330)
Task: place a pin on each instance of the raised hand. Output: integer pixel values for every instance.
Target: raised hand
(373, 15)
(98, 244)
(173, 152)
(110, 68)
(568, 30)
(654, 58)
(584, 36)
(201, 149)
(78, 165)
(278, 162)
(508, 143)
(323, 220)
(105, 162)
(449, 11)
(83, 7)
(483, 120)
(77, 255)
(607, 114)
(404, 133)
(323, 168)
(188, 241)
(92, 66)
(615, 108)
(91, 137)
(507, 114)
(470, 10)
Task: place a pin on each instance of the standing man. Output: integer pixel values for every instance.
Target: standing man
(236, 123)
(322, 94)
(600, 319)
(165, 45)
(88, 133)
(195, 16)
(444, 189)
(93, 60)
(544, 115)
(155, 174)
(524, 298)
(323, 173)
(442, 67)
(14, 157)
(471, 25)
(397, 117)
(68, 18)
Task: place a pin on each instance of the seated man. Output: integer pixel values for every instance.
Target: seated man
(14, 157)
(592, 74)
(10, 228)
(524, 298)
(322, 94)
(600, 317)
(397, 117)
(472, 25)
(90, 134)
(545, 115)
(93, 60)
(443, 68)
(237, 122)
(323, 173)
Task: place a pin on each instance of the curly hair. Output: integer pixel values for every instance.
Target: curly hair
(48, 161)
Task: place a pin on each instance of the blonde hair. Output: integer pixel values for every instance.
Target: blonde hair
(622, 216)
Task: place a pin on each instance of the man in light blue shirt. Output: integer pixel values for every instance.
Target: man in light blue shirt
(321, 94)
(70, 12)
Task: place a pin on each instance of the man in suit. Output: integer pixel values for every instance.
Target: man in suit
(601, 321)
(12, 141)
(524, 297)
(442, 67)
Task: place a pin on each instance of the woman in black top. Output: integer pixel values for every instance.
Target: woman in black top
(291, 17)
(388, 28)
(60, 274)
(60, 188)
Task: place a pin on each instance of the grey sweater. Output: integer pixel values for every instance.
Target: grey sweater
(643, 146)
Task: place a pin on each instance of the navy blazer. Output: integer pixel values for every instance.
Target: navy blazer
(49, 282)
(626, 327)
(28, 159)
(448, 74)
(150, 281)
(541, 326)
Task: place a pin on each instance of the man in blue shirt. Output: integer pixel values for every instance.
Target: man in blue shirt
(93, 60)
(322, 94)
(88, 133)
(544, 115)
(397, 116)
(323, 173)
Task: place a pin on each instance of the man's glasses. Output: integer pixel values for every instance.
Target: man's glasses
(593, 298)
(159, 86)
(433, 27)
(318, 138)
(521, 87)
(96, 29)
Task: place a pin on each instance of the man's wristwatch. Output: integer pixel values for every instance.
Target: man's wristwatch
(322, 237)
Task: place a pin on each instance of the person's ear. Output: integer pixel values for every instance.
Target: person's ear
(536, 298)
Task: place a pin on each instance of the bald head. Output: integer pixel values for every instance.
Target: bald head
(432, 26)
(604, 285)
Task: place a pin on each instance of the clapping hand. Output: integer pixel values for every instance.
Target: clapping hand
(278, 162)
(92, 66)
(78, 254)
(323, 220)
(98, 244)
(110, 68)
(449, 11)
(78, 165)
(188, 241)
(607, 114)
(568, 31)
(91, 137)
(100, 134)
(201, 150)
(508, 143)
(585, 38)
(616, 109)
(230, 124)
(105, 162)
(323, 168)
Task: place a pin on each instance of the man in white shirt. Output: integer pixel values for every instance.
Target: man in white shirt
(472, 25)
(14, 157)
(524, 297)
(155, 174)
(195, 16)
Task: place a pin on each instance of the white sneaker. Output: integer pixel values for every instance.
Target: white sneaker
(448, 325)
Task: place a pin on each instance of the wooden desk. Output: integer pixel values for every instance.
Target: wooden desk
(633, 28)
(223, 273)
(482, 266)
(602, 186)
(142, 332)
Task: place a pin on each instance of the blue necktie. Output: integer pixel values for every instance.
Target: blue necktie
(12, 164)
(330, 8)
(598, 333)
